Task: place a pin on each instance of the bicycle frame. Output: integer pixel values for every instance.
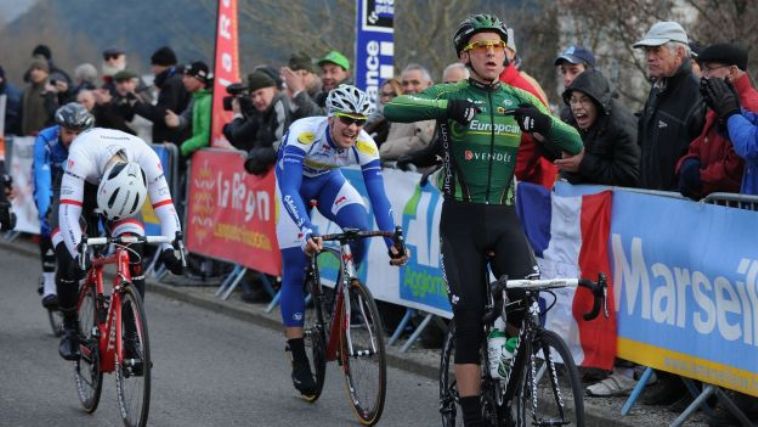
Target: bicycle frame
(109, 323)
(340, 318)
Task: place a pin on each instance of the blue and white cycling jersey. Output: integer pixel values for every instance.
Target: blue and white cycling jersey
(307, 162)
(49, 158)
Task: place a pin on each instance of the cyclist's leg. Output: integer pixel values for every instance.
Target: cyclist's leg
(513, 256)
(47, 255)
(133, 227)
(463, 270)
(341, 203)
(66, 281)
(294, 262)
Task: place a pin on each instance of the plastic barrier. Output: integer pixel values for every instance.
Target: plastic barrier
(20, 155)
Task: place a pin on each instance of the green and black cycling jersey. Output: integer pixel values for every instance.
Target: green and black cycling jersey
(479, 159)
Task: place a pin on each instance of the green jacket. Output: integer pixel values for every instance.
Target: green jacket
(479, 160)
(201, 123)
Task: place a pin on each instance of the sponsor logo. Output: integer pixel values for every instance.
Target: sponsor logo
(469, 155)
(340, 200)
(662, 124)
(366, 147)
(499, 128)
(306, 138)
(70, 164)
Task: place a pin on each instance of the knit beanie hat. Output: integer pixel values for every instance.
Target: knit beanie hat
(164, 56)
(42, 50)
(301, 61)
(259, 80)
(39, 62)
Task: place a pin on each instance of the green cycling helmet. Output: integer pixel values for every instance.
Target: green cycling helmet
(477, 24)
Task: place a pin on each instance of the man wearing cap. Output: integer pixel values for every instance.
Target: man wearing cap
(711, 163)
(114, 60)
(674, 112)
(171, 96)
(335, 70)
(300, 74)
(197, 80)
(39, 101)
(115, 111)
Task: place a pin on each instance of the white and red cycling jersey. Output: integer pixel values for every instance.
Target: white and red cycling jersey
(89, 155)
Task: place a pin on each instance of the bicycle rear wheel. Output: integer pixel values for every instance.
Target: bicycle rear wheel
(363, 355)
(88, 375)
(315, 335)
(56, 322)
(551, 393)
(133, 368)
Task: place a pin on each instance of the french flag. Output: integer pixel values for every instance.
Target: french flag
(570, 237)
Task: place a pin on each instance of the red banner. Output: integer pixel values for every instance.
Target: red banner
(226, 69)
(231, 215)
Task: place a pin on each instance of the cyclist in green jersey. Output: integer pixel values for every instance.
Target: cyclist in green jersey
(481, 122)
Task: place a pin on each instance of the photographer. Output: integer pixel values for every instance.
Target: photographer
(116, 111)
(262, 115)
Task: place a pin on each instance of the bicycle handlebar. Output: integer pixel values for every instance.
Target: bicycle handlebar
(349, 235)
(176, 242)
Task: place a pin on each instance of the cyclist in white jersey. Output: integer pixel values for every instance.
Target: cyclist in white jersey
(308, 168)
(111, 171)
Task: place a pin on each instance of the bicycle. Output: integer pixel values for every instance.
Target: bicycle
(113, 330)
(556, 401)
(345, 327)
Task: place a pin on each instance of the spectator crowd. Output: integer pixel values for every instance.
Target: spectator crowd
(695, 135)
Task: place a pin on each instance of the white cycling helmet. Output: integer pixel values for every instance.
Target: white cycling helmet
(349, 100)
(122, 190)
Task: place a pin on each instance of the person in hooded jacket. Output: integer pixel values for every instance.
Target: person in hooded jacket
(611, 154)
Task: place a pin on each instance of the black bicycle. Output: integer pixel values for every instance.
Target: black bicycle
(543, 386)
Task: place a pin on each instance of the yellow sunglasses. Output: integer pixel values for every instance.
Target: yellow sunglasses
(485, 45)
(348, 119)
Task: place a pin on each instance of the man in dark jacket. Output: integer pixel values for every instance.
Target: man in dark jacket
(171, 96)
(12, 105)
(609, 131)
(261, 133)
(674, 112)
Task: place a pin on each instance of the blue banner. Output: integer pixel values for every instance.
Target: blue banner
(374, 48)
(688, 300)
(152, 224)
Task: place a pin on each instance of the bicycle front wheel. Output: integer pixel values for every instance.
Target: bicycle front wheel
(449, 399)
(363, 355)
(134, 365)
(315, 335)
(551, 393)
(89, 376)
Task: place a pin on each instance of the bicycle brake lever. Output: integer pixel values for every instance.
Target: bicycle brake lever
(605, 301)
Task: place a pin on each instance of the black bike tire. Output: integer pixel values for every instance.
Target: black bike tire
(56, 322)
(131, 295)
(366, 416)
(92, 344)
(315, 335)
(448, 391)
(549, 339)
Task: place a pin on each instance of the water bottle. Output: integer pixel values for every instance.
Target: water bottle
(509, 348)
(495, 343)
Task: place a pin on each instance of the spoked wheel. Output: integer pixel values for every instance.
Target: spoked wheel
(449, 405)
(315, 335)
(56, 322)
(551, 393)
(133, 370)
(89, 377)
(363, 355)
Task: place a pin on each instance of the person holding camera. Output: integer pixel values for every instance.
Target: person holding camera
(260, 130)
(114, 111)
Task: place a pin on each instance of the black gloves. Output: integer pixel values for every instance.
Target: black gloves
(720, 97)
(259, 160)
(461, 110)
(172, 263)
(690, 184)
(530, 119)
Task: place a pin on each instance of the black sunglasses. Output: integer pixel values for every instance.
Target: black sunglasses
(347, 120)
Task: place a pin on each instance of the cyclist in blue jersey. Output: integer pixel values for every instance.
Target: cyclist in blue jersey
(307, 169)
(50, 154)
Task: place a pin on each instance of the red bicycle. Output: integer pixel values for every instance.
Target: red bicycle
(113, 330)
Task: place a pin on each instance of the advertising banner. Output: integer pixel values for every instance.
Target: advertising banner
(226, 68)
(688, 300)
(152, 224)
(374, 46)
(231, 213)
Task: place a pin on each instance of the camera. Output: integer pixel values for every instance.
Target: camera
(236, 90)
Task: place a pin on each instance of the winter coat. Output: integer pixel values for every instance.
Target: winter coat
(611, 153)
(201, 123)
(720, 167)
(672, 117)
(743, 132)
